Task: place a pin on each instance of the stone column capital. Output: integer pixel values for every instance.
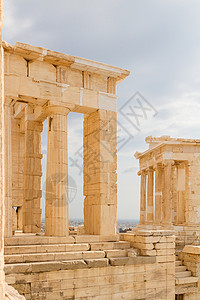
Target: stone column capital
(57, 110)
(142, 172)
(157, 166)
(149, 169)
(170, 162)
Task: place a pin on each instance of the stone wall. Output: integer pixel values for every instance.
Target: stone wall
(150, 275)
(161, 245)
(1, 159)
(1, 187)
(138, 281)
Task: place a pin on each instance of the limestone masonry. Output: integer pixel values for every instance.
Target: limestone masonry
(157, 260)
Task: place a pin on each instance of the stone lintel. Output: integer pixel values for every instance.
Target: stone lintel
(75, 99)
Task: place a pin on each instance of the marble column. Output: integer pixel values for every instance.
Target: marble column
(32, 173)
(158, 194)
(167, 197)
(150, 190)
(143, 197)
(181, 191)
(56, 208)
(8, 171)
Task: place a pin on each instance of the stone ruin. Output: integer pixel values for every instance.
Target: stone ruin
(169, 190)
(41, 84)
(157, 260)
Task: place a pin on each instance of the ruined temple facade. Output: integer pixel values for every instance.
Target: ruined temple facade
(169, 189)
(41, 84)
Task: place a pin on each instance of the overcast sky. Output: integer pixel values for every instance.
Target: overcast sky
(157, 40)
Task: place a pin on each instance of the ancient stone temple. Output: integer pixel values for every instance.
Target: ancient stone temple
(169, 190)
(41, 84)
(169, 199)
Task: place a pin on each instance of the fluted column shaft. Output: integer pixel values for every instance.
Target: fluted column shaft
(158, 194)
(32, 173)
(150, 190)
(56, 208)
(167, 199)
(181, 193)
(143, 198)
(8, 172)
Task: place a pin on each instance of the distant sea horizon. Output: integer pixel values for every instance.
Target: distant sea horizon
(122, 224)
(118, 220)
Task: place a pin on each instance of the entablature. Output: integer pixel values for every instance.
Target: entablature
(39, 76)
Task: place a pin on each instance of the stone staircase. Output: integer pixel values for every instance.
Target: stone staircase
(37, 254)
(53, 268)
(184, 280)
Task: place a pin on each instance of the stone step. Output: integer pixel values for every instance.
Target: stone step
(187, 280)
(57, 256)
(19, 269)
(178, 263)
(180, 269)
(8, 250)
(31, 239)
(51, 248)
(183, 274)
(39, 267)
(37, 240)
(116, 253)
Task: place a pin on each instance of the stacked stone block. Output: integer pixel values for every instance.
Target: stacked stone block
(100, 164)
(153, 243)
(2, 193)
(161, 245)
(93, 269)
(1, 173)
